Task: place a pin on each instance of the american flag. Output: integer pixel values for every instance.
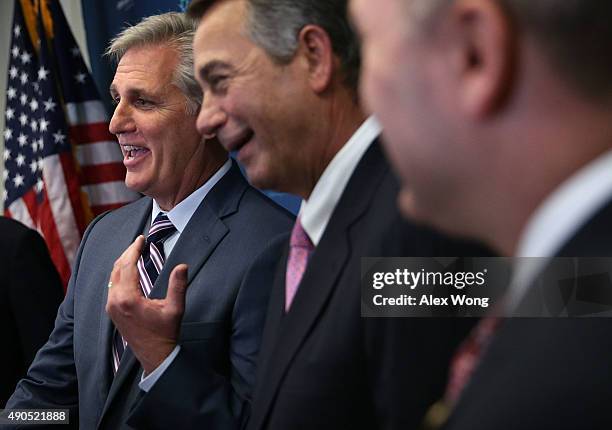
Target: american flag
(61, 165)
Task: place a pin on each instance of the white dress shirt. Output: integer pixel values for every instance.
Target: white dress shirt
(558, 218)
(317, 210)
(180, 216)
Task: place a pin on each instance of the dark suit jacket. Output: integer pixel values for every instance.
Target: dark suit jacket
(209, 383)
(551, 373)
(30, 293)
(322, 366)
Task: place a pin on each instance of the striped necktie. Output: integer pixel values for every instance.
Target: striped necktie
(149, 266)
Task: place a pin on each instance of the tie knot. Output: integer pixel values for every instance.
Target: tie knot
(299, 237)
(161, 229)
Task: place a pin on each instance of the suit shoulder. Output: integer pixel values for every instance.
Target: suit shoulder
(258, 221)
(122, 213)
(261, 206)
(12, 230)
(22, 239)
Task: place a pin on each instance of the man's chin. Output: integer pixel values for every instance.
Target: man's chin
(406, 204)
(257, 174)
(430, 214)
(135, 185)
(411, 210)
(261, 182)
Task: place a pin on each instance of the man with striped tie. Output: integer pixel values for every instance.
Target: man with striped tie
(161, 356)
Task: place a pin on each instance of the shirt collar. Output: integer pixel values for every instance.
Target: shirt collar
(317, 210)
(567, 209)
(558, 218)
(182, 213)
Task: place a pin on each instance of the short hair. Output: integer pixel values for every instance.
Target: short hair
(274, 25)
(174, 29)
(574, 35)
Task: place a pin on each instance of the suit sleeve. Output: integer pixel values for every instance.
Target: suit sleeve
(51, 381)
(191, 394)
(35, 293)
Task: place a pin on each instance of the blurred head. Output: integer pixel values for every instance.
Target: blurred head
(275, 76)
(474, 97)
(157, 100)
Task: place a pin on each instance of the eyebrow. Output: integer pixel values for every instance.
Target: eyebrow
(213, 66)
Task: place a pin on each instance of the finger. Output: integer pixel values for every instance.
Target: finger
(132, 252)
(175, 298)
(125, 266)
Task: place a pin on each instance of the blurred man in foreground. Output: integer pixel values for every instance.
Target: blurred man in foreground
(280, 81)
(166, 356)
(498, 119)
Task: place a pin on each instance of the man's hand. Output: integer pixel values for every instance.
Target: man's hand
(150, 327)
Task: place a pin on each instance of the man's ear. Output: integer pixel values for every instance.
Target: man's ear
(484, 54)
(316, 48)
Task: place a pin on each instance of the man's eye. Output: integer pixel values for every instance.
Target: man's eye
(216, 81)
(142, 102)
(115, 101)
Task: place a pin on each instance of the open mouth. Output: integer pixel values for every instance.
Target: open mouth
(131, 151)
(237, 142)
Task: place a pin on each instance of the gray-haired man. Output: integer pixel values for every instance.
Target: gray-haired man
(280, 88)
(165, 355)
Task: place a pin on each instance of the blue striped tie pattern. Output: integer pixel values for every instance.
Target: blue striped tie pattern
(149, 266)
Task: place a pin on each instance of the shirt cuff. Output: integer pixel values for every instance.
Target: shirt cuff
(146, 383)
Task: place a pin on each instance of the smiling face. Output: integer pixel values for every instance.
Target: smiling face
(253, 105)
(161, 146)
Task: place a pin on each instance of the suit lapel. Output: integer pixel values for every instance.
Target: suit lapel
(203, 232)
(593, 239)
(198, 240)
(274, 319)
(134, 224)
(205, 229)
(322, 275)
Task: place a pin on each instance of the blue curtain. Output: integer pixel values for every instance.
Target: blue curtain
(104, 19)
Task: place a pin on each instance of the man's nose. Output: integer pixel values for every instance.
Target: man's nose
(211, 117)
(121, 120)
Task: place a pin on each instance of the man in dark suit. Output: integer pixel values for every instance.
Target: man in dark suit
(498, 119)
(280, 82)
(30, 293)
(117, 372)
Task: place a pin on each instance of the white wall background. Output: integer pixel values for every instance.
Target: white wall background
(72, 10)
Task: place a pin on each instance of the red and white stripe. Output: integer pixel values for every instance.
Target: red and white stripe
(61, 215)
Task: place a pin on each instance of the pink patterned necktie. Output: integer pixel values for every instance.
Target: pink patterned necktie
(300, 248)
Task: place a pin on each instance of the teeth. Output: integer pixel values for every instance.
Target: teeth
(131, 150)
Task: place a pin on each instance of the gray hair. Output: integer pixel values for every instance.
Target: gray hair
(174, 29)
(275, 25)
